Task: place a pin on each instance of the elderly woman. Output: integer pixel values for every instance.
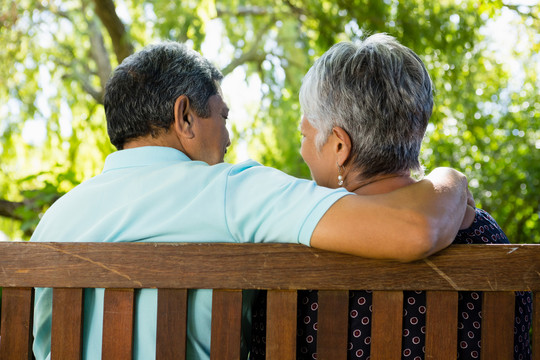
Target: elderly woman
(366, 108)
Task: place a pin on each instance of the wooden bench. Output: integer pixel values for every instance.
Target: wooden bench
(282, 269)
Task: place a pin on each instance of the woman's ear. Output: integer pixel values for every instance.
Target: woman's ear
(342, 144)
(183, 118)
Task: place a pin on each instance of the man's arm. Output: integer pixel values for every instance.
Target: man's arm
(407, 224)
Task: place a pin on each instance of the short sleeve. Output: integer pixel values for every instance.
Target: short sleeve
(263, 204)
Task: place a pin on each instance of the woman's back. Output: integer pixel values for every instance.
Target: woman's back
(484, 230)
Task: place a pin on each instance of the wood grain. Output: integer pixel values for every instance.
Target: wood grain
(181, 265)
(281, 324)
(496, 269)
(67, 323)
(386, 325)
(118, 313)
(226, 325)
(441, 325)
(171, 324)
(333, 317)
(498, 325)
(16, 323)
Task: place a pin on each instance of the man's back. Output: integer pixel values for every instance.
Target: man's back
(157, 194)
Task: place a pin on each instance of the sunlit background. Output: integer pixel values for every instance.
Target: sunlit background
(56, 56)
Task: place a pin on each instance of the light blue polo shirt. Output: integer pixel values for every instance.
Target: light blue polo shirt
(157, 194)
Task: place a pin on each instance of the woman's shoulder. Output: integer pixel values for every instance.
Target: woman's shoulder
(483, 230)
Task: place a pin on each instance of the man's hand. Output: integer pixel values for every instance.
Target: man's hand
(470, 212)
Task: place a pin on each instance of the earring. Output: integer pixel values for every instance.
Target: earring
(339, 177)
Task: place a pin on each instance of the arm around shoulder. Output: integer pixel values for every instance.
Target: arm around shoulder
(408, 224)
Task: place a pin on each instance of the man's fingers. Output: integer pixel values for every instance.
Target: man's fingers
(470, 199)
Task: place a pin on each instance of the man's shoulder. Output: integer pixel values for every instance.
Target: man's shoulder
(245, 165)
(251, 169)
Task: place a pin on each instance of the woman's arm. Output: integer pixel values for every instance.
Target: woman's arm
(410, 223)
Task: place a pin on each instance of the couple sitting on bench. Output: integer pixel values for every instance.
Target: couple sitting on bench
(366, 107)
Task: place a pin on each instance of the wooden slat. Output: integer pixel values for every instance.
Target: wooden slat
(16, 323)
(441, 325)
(67, 323)
(460, 267)
(118, 324)
(333, 317)
(281, 325)
(386, 324)
(536, 326)
(226, 324)
(498, 325)
(171, 324)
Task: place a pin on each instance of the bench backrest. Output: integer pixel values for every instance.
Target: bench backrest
(498, 270)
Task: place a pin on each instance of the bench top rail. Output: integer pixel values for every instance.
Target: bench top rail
(282, 269)
(244, 266)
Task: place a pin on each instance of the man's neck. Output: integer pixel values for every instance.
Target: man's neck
(148, 140)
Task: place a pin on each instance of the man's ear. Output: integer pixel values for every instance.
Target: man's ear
(342, 144)
(183, 118)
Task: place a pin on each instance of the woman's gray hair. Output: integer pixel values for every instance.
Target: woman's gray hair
(141, 93)
(380, 93)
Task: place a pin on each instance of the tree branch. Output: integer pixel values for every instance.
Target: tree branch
(252, 54)
(53, 9)
(241, 11)
(99, 53)
(72, 73)
(518, 9)
(97, 95)
(87, 87)
(9, 17)
(7, 209)
(295, 9)
(244, 11)
(106, 12)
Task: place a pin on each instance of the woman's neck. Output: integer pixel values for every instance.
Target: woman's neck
(379, 184)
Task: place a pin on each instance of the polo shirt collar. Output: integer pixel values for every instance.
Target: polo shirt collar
(143, 156)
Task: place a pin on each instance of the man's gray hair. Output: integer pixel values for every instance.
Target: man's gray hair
(141, 93)
(380, 93)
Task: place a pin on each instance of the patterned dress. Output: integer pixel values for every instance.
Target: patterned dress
(484, 230)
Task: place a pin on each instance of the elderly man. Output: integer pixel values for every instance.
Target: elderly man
(168, 183)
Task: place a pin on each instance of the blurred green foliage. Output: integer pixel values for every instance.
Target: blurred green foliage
(56, 56)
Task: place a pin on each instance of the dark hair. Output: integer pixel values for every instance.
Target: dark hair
(379, 91)
(140, 95)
